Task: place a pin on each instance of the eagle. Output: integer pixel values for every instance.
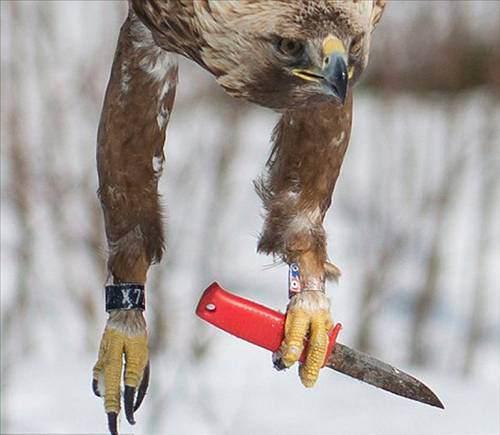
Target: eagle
(300, 58)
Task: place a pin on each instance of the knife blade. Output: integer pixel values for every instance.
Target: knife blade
(361, 366)
(264, 327)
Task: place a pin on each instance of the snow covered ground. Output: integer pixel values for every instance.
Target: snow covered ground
(237, 391)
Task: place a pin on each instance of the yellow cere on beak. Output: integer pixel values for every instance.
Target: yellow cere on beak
(332, 44)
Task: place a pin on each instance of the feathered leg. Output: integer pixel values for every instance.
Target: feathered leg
(132, 132)
(309, 147)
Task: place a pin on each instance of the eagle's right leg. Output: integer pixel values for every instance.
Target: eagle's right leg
(309, 147)
(132, 132)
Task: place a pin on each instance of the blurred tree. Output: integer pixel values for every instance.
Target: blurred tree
(488, 200)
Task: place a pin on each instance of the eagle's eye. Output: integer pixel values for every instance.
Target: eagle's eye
(290, 47)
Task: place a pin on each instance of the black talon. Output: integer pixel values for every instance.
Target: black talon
(128, 399)
(112, 418)
(142, 388)
(95, 388)
(278, 362)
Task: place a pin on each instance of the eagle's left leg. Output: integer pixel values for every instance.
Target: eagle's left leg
(132, 132)
(309, 147)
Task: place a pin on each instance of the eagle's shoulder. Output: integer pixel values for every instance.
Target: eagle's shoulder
(174, 24)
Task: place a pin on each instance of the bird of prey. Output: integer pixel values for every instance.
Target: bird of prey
(300, 58)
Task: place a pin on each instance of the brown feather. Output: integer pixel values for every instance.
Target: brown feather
(130, 143)
(309, 148)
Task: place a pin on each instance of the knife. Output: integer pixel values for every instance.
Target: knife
(264, 327)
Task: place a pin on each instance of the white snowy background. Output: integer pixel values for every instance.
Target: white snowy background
(414, 226)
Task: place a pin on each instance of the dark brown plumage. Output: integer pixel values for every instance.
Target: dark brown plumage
(299, 57)
(130, 144)
(302, 171)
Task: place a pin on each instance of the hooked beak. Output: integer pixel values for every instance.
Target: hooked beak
(336, 76)
(333, 74)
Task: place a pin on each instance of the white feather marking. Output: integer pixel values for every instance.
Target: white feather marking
(129, 322)
(158, 63)
(300, 223)
(339, 139)
(310, 301)
(292, 195)
(163, 113)
(162, 117)
(157, 164)
(125, 78)
(304, 221)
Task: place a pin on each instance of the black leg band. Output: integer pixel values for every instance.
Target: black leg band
(125, 296)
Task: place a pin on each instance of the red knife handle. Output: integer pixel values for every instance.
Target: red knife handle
(248, 320)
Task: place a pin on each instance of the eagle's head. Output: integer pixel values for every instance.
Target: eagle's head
(285, 54)
(277, 53)
(288, 72)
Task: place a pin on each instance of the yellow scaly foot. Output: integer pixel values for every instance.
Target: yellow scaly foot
(124, 340)
(308, 318)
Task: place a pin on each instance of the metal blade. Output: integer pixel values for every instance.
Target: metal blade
(364, 367)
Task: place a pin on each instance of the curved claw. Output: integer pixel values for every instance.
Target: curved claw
(308, 317)
(128, 401)
(112, 423)
(143, 388)
(95, 387)
(129, 396)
